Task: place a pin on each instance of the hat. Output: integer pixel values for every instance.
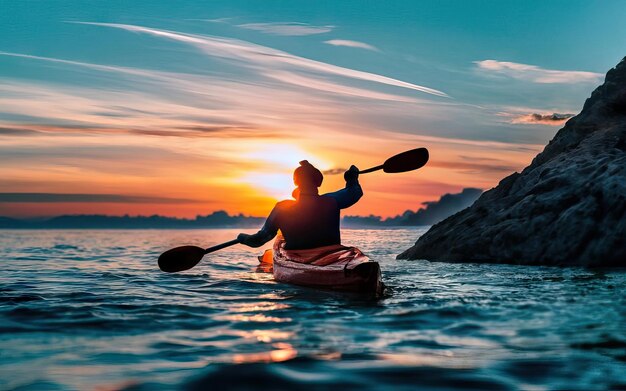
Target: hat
(306, 174)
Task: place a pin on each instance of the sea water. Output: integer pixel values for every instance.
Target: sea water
(89, 310)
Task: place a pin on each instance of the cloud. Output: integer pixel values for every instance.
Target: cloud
(195, 94)
(182, 105)
(334, 88)
(536, 74)
(87, 198)
(487, 144)
(475, 167)
(554, 119)
(334, 171)
(263, 58)
(352, 44)
(287, 28)
(46, 159)
(15, 131)
(214, 20)
(191, 131)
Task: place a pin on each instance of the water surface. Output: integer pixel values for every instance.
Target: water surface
(90, 310)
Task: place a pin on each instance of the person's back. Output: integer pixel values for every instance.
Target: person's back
(311, 220)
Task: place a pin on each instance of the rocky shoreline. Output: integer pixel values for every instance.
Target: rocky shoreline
(567, 208)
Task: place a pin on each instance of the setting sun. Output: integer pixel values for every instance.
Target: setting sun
(276, 164)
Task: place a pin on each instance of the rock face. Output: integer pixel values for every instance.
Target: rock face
(567, 208)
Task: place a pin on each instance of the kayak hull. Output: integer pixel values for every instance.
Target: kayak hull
(362, 278)
(342, 268)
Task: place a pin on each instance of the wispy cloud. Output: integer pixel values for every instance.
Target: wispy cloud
(554, 119)
(334, 171)
(537, 74)
(468, 143)
(475, 167)
(351, 44)
(214, 20)
(91, 198)
(190, 82)
(69, 110)
(287, 28)
(197, 131)
(262, 57)
(334, 88)
(15, 131)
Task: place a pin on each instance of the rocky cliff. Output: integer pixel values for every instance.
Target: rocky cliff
(567, 208)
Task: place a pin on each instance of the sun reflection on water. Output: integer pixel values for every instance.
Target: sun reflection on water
(283, 352)
(259, 306)
(268, 336)
(260, 318)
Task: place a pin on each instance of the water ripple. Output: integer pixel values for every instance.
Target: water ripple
(90, 310)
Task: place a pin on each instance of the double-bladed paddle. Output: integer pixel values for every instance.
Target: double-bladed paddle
(185, 257)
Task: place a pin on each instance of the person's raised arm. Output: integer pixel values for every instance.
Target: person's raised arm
(352, 193)
(265, 234)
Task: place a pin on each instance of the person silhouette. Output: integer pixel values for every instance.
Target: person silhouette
(311, 220)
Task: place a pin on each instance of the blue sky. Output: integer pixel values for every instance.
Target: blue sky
(93, 91)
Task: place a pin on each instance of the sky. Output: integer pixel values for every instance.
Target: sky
(183, 108)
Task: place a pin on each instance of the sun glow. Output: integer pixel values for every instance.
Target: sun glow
(278, 186)
(276, 163)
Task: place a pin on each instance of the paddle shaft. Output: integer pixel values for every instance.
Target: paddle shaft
(372, 169)
(221, 246)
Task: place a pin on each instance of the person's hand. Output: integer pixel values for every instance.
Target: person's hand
(352, 174)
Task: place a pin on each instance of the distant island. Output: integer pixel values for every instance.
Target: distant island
(219, 219)
(431, 213)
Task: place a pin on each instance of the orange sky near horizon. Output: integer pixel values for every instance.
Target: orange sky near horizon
(190, 177)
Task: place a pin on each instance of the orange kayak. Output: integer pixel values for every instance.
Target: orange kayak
(334, 267)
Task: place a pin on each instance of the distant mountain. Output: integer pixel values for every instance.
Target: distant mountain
(362, 221)
(219, 219)
(432, 213)
(435, 211)
(7, 222)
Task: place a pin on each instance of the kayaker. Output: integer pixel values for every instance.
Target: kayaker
(311, 220)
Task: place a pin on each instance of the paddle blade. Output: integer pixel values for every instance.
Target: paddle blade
(406, 161)
(180, 258)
